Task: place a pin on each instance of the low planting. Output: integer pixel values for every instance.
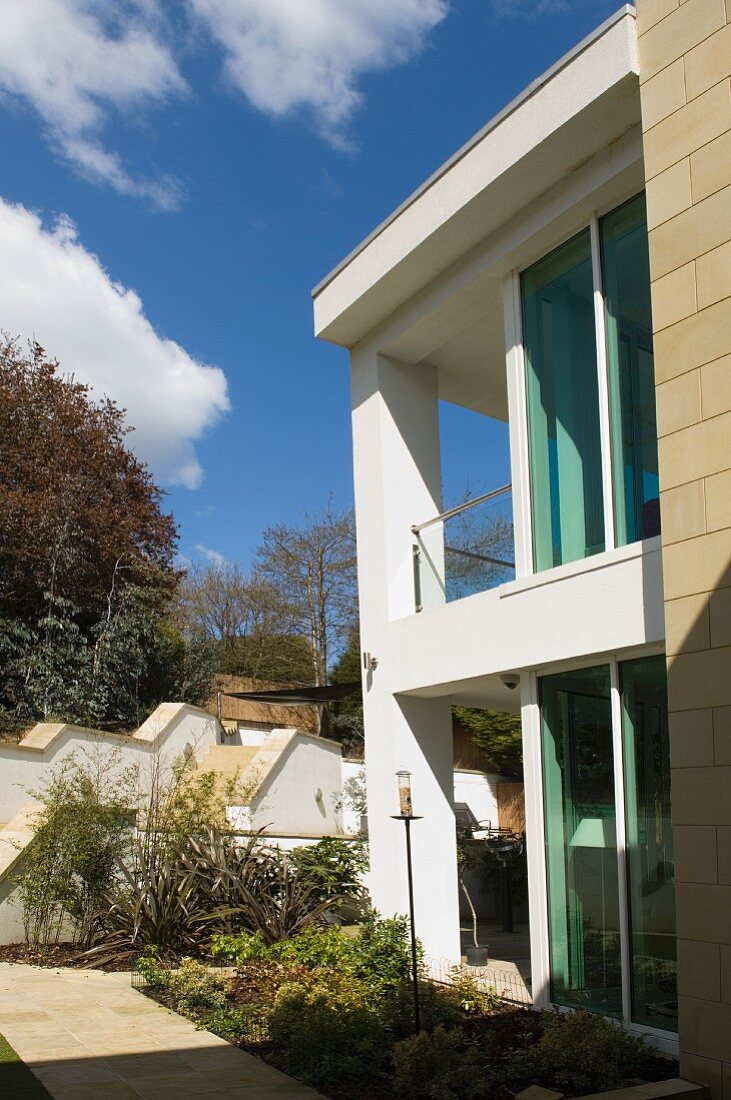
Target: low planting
(336, 1011)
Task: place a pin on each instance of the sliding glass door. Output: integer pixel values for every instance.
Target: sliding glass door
(595, 855)
(650, 870)
(581, 841)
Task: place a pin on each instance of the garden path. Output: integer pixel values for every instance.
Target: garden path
(88, 1035)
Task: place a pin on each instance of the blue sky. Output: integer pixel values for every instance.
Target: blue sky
(177, 176)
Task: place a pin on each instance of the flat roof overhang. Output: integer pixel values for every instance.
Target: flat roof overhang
(584, 103)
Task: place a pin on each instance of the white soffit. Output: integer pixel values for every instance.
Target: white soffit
(586, 101)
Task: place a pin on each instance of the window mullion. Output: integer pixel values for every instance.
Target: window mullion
(601, 363)
(621, 820)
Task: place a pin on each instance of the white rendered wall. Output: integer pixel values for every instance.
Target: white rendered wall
(288, 803)
(477, 789)
(171, 729)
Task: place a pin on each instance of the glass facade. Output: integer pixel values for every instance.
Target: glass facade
(562, 391)
(563, 406)
(580, 791)
(630, 372)
(650, 872)
(581, 841)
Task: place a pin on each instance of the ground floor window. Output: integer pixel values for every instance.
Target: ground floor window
(604, 749)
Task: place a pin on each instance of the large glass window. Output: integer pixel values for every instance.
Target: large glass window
(563, 406)
(649, 842)
(630, 370)
(581, 844)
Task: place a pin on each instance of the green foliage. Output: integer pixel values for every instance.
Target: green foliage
(582, 1052)
(334, 867)
(83, 830)
(158, 903)
(244, 1024)
(87, 581)
(499, 736)
(471, 997)
(151, 969)
(379, 955)
(316, 948)
(418, 1062)
(239, 949)
(346, 715)
(327, 1031)
(384, 948)
(195, 990)
(437, 1008)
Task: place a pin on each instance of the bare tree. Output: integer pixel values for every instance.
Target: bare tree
(312, 570)
(248, 620)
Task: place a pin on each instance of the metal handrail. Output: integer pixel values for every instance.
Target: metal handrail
(417, 527)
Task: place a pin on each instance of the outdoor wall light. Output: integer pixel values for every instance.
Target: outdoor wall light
(318, 794)
(370, 664)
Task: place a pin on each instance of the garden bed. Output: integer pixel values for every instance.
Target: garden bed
(337, 1014)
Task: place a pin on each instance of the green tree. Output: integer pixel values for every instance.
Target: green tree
(346, 717)
(87, 578)
(498, 734)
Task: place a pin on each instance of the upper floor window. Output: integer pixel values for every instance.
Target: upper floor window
(568, 471)
(630, 372)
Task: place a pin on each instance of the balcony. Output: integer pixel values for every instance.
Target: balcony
(465, 550)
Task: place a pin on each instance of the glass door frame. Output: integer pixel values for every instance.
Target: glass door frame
(535, 832)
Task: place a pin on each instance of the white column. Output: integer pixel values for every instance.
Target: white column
(415, 734)
(535, 840)
(397, 484)
(397, 478)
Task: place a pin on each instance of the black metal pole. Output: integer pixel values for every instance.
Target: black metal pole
(414, 959)
(506, 897)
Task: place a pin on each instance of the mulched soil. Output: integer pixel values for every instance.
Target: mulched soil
(62, 954)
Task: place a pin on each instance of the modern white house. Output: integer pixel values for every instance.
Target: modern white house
(550, 276)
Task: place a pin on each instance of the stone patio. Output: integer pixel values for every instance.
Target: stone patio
(86, 1034)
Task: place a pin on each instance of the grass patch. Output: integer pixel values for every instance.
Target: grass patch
(16, 1080)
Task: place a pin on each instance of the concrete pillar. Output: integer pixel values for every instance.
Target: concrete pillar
(685, 65)
(398, 483)
(415, 734)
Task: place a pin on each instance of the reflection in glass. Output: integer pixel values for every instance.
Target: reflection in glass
(649, 842)
(631, 377)
(581, 845)
(563, 405)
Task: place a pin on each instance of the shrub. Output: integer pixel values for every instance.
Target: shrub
(334, 868)
(384, 949)
(582, 1052)
(324, 1031)
(239, 949)
(151, 969)
(81, 832)
(436, 1007)
(243, 1024)
(313, 947)
(472, 998)
(418, 1062)
(195, 990)
(159, 904)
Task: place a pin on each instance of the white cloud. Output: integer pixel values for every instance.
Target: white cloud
(73, 61)
(213, 556)
(288, 54)
(52, 289)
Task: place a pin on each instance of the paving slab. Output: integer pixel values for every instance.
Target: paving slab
(87, 1034)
